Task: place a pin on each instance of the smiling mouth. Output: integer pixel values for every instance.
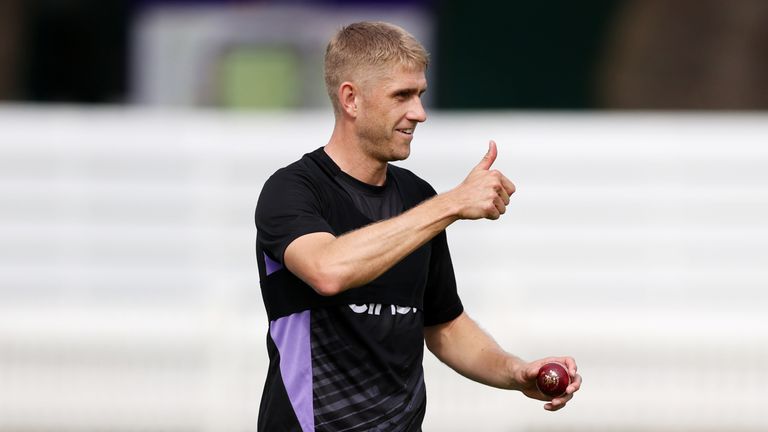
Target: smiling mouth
(408, 131)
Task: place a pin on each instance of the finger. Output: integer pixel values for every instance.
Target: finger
(504, 196)
(532, 371)
(500, 206)
(499, 186)
(562, 400)
(575, 385)
(553, 407)
(557, 403)
(570, 364)
(508, 185)
(494, 212)
(489, 158)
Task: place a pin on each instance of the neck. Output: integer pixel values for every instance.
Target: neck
(347, 151)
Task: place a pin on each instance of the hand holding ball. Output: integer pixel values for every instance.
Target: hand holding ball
(553, 379)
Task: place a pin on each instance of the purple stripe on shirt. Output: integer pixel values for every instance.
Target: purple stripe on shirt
(291, 336)
(271, 265)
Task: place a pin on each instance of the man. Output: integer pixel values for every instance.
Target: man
(354, 263)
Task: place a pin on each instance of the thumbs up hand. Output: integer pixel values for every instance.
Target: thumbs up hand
(485, 192)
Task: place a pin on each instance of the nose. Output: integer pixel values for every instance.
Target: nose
(416, 111)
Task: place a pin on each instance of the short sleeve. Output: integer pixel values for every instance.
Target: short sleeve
(289, 207)
(441, 299)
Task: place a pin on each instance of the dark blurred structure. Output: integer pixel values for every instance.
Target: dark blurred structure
(557, 54)
(10, 44)
(75, 50)
(519, 54)
(687, 54)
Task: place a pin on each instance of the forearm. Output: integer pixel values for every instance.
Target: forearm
(360, 256)
(332, 264)
(470, 351)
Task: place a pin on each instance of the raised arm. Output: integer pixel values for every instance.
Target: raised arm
(332, 264)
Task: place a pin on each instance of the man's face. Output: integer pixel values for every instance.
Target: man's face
(389, 110)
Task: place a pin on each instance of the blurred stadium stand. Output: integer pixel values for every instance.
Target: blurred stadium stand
(603, 54)
(637, 243)
(257, 56)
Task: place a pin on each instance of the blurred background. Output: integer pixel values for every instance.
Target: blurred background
(135, 137)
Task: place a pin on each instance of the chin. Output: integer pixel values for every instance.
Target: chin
(402, 154)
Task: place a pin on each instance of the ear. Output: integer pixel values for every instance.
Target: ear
(348, 97)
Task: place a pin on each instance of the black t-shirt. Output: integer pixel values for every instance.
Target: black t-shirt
(352, 361)
(375, 202)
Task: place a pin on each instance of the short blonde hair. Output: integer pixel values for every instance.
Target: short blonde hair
(369, 48)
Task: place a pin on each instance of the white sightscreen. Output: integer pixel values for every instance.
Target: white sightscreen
(637, 243)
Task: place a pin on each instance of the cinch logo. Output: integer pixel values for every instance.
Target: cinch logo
(375, 309)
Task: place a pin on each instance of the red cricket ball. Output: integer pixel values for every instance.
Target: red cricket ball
(553, 379)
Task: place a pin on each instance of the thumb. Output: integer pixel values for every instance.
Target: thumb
(531, 372)
(489, 158)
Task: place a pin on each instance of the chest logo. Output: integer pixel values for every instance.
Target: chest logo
(375, 309)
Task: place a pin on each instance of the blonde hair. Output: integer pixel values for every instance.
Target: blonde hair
(368, 48)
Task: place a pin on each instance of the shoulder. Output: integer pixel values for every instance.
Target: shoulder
(292, 173)
(303, 172)
(301, 182)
